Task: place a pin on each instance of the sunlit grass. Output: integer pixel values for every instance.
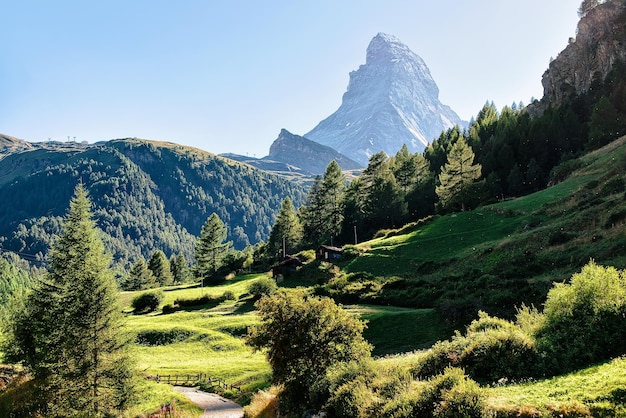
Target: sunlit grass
(602, 387)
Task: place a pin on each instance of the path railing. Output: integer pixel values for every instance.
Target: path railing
(192, 380)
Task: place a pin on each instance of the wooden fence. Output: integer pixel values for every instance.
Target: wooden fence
(194, 379)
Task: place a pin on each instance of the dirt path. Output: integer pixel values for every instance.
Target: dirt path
(214, 406)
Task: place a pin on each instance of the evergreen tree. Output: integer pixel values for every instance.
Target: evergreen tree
(210, 247)
(606, 124)
(159, 265)
(457, 174)
(405, 168)
(322, 215)
(384, 205)
(68, 333)
(286, 231)
(179, 268)
(312, 215)
(140, 277)
(333, 193)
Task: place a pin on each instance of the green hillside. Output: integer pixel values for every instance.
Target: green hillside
(500, 255)
(147, 195)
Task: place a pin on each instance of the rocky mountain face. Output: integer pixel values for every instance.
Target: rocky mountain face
(308, 155)
(391, 100)
(598, 46)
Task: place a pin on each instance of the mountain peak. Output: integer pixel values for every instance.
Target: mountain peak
(391, 100)
(385, 47)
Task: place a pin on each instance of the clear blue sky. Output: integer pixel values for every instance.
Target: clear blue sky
(226, 76)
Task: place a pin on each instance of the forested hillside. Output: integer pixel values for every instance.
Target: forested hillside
(146, 196)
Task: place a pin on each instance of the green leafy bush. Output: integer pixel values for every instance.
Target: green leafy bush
(162, 337)
(304, 336)
(228, 295)
(147, 302)
(584, 320)
(491, 349)
(450, 394)
(262, 287)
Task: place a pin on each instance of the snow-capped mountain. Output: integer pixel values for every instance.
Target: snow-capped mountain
(391, 100)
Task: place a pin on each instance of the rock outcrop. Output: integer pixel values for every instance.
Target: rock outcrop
(599, 44)
(308, 155)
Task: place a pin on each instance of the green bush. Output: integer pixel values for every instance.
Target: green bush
(186, 303)
(228, 295)
(147, 302)
(359, 389)
(491, 349)
(262, 287)
(584, 320)
(162, 337)
(450, 394)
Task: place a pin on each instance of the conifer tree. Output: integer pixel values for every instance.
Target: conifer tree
(457, 174)
(160, 267)
(210, 247)
(322, 215)
(68, 332)
(286, 231)
(140, 277)
(179, 268)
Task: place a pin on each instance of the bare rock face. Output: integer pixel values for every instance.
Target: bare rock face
(391, 100)
(600, 42)
(310, 156)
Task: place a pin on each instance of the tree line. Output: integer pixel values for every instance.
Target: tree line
(501, 154)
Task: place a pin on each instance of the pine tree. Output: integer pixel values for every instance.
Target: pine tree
(286, 231)
(160, 267)
(384, 205)
(68, 332)
(333, 192)
(179, 268)
(210, 247)
(140, 277)
(322, 215)
(457, 174)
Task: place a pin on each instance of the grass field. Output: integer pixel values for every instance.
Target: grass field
(596, 391)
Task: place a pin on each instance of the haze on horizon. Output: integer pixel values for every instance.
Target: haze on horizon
(227, 77)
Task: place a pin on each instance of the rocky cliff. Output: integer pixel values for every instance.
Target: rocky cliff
(308, 155)
(600, 42)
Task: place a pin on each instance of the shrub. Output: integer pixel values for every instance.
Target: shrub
(262, 287)
(359, 389)
(492, 349)
(228, 295)
(584, 320)
(186, 303)
(304, 336)
(147, 302)
(450, 394)
(162, 337)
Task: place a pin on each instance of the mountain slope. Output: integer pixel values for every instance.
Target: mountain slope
(391, 100)
(308, 155)
(147, 195)
(502, 255)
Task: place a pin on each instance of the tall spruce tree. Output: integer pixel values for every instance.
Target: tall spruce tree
(286, 231)
(211, 248)
(160, 267)
(322, 215)
(179, 268)
(140, 277)
(68, 332)
(457, 174)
